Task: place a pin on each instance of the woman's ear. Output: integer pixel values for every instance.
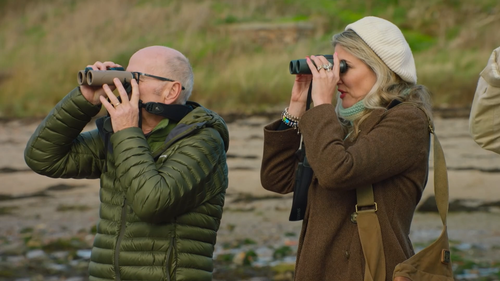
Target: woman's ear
(172, 94)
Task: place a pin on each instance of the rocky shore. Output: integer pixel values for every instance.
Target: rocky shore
(47, 225)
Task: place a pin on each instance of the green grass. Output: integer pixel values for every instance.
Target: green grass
(45, 43)
(7, 210)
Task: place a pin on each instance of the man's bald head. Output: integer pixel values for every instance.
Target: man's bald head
(167, 62)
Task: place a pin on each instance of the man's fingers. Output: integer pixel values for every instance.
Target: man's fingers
(106, 104)
(112, 98)
(98, 65)
(110, 64)
(134, 98)
(121, 90)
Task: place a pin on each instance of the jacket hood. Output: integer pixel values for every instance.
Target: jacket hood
(201, 114)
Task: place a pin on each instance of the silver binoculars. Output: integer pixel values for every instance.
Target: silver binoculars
(91, 77)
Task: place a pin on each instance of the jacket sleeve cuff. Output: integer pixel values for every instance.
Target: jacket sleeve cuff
(75, 109)
(285, 139)
(85, 106)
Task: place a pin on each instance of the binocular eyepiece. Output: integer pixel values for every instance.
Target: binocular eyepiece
(300, 66)
(91, 77)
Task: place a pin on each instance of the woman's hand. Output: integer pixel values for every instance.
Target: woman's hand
(124, 114)
(324, 80)
(299, 94)
(93, 93)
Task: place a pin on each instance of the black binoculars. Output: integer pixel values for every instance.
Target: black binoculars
(300, 66)
(91, 77)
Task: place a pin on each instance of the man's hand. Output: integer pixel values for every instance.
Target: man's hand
(93, 93)
(124, 114)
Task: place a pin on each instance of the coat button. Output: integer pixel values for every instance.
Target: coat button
(346, 254)
(354, 217)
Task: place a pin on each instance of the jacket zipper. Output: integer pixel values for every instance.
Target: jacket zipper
(120, 236)
(169, 255)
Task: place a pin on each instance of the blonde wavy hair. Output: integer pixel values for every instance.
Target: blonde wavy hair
(388, 86)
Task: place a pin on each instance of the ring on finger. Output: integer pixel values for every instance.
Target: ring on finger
(319, 68)
(117, 104)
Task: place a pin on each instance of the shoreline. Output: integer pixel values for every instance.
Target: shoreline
(37, 212)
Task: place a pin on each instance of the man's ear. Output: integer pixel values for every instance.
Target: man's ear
(172, 94)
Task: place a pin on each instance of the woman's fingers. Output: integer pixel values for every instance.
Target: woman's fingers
(318, 63)
(311, 62)
(336, 63)
(324, 64)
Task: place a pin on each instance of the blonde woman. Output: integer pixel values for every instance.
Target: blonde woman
(377, 134)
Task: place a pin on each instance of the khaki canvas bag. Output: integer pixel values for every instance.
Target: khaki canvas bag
(433, 263)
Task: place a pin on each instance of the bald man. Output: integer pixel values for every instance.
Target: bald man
(161, 160)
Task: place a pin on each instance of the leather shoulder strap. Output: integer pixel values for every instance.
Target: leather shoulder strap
(366, 208)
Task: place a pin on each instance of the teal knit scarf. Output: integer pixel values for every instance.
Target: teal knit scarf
(352, 113)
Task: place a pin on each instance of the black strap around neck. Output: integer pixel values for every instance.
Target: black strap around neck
(174, 112)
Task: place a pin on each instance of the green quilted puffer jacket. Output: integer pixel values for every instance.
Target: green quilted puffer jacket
(160, 210)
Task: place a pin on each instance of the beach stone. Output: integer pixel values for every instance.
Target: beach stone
(16, 260)
(250, 212)
(36, 254)
(84, 254)
(57, 267)
(75, 279)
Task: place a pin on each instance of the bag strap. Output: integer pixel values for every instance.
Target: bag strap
(370, 234)
(368, 225)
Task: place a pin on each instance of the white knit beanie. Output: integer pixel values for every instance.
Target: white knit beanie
(389, 43)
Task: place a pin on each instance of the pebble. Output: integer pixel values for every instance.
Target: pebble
(36, 254)
(84, 254)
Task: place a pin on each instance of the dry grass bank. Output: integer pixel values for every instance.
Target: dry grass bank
(43, 44)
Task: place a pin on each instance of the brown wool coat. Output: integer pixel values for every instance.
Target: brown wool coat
(391, 152)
